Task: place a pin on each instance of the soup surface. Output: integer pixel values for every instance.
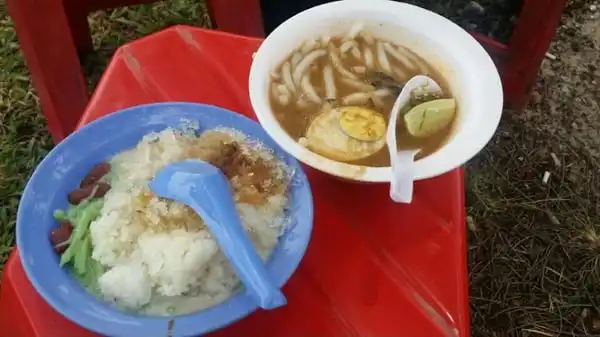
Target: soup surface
(355, 70)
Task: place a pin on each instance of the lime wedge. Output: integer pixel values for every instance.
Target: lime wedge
(429, 118)
(361, 123)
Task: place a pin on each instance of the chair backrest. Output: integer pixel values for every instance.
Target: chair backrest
(242, 17)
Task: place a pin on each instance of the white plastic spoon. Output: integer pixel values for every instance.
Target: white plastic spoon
(402, 162)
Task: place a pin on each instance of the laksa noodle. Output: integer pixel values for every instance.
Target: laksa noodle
(334, 95)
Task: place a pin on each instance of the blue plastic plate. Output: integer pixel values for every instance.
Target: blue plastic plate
(67, 164)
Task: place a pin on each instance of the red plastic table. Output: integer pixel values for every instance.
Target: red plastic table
(373, 268)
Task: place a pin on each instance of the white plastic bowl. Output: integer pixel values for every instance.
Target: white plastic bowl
(469, 70)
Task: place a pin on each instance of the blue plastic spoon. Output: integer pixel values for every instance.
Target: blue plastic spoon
(206, 190)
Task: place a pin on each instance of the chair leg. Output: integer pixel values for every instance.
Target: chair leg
(527, 47)
(80, 27)
(250, 23)
(47, 43)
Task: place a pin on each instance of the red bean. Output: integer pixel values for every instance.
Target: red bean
(82, 193)
(60, 235)
(95, 174)
(103, 188)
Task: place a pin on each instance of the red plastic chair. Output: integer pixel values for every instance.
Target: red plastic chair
(52, 32)
(519, 61)
(372, 268)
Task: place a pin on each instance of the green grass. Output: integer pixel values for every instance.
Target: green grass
(23, 137)
(533, 247)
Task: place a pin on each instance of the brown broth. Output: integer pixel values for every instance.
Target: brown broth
(295, 118)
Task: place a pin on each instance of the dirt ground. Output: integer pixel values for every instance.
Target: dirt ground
(494, 18)
(534, 245)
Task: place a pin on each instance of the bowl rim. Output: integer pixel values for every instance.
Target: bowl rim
(425, 168)
(238, 306)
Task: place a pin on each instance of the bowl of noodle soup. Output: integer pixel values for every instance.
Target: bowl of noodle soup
(319, 66)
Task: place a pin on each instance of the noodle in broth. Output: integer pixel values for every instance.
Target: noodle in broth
(355, 70)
